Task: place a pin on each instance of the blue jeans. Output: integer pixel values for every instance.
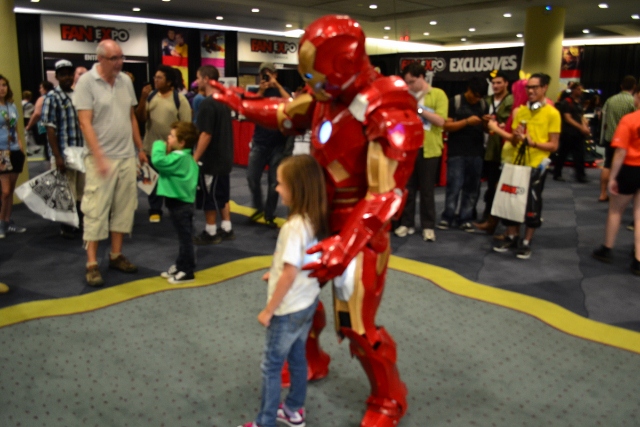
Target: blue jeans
(182, 218)
(463, 183)
(260, 157)
(286, 339)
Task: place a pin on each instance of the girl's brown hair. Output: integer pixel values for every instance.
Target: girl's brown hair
(304, 177)
(9, 97)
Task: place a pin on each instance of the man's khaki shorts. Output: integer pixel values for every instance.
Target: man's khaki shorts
(109, 203)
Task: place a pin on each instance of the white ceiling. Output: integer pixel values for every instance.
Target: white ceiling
(405, 17)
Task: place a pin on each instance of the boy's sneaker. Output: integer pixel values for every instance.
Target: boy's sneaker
(226, 235)
(503, 245)
(290, 418)
(468, 227)
(172, 271)
(181, 277)
(205, 238)
(251, 424)
(443, 225)
(524, 251)
(603, 254)
(635, 267)
(13, 228)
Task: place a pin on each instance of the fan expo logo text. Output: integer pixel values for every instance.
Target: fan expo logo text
(89, 33)
(512, 189)
(273, 46)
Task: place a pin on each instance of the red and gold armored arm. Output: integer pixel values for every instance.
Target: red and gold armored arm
(290, 117)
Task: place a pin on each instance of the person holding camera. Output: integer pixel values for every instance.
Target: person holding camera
(268, 147)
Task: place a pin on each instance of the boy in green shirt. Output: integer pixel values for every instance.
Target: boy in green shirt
(177, 182)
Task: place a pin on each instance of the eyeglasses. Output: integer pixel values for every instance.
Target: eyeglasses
(115, 58)
(533, 87)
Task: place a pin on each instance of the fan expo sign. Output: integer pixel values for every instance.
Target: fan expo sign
(261, 48)
(77, 38)
(462, 65)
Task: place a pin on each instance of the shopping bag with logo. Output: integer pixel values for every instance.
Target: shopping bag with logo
(510, 201)
(49, 195)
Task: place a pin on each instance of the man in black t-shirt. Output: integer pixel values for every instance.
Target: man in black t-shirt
(572, 137)
(465, 152)
(268, 147)
(214, 153)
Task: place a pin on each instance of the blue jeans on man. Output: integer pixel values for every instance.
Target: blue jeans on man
(463, 183)
(261, 156)
(286, 339)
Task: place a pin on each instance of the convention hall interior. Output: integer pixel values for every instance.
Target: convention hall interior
(482, 338)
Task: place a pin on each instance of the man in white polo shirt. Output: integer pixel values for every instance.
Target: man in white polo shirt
(104, 98)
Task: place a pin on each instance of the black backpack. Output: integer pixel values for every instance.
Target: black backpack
(176, 98)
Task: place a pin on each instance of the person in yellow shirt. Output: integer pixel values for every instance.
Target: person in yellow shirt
(433, 107)
(538, 129)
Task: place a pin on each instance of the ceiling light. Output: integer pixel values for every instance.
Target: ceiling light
(373, 6)
(219, 18)
(507, 15)
(289, 26)
(387, 28)
(519, 35)
(586, 31)
(433, 23)
(636, 16)
(35, 1)
(386, 37)
(425, 34)
(136, 9)
(255, 10)
(464, 39)
(603, 6)
(166, 0)
(472, 29)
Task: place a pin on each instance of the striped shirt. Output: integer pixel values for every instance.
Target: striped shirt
(615, 107)
(59, 113)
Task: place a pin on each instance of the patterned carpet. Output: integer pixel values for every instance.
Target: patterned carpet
(147, 353)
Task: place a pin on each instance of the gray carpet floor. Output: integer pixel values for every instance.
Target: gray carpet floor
(188, 357)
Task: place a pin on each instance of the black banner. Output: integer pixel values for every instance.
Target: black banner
(462, 65)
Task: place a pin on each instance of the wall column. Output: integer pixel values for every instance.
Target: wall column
(10, 66)
(543, 35)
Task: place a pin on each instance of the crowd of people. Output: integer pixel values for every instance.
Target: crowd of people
(523, 128)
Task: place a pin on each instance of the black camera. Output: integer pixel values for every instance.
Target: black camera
(265, 77)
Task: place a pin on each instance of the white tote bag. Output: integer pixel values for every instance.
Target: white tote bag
(49, 196)
(510, 201)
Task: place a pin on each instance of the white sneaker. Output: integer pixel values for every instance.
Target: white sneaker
(402, 231)
(181, 277)
(172, 271)
(428, 235)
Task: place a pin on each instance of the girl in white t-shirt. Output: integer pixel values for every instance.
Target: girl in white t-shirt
(292, 294)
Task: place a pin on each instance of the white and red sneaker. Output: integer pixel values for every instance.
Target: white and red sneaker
(291, 418)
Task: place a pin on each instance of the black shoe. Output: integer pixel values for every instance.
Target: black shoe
(467, 227)
(271, 223)
(68, 233)
(523, 251)
(205, 238)
(635, 267)
(603, 254)
(226, 235)
(503, 245)
(181, 277)
(582, 180)
(559, 179)
(256, 216)
(443, 225)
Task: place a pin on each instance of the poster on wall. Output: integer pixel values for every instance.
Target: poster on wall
(76, 39)
(571, 62)
(175, 52)
(212, 49)
(462, 65)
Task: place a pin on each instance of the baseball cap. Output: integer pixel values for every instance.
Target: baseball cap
(63, 63)
(498, 73)
(267, 66)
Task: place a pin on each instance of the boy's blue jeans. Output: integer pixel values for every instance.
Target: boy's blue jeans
(286, 339)
(463, 182)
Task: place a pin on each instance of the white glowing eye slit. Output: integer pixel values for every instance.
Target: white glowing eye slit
(325, 132)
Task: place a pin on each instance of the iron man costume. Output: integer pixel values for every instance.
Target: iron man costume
(365, 134)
